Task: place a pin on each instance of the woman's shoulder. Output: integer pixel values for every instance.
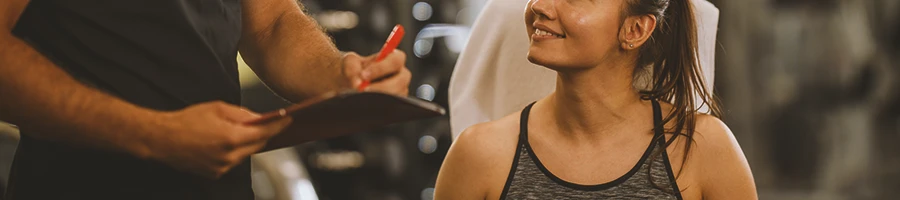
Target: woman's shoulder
(710, 133)
(491, 137)
(479, 161)
(711, 141)
(713, 137)
(723, 164)
(715, 159)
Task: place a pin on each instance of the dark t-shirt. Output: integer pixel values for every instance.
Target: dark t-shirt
(159, 54)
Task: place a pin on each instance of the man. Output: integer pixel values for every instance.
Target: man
(137, 99)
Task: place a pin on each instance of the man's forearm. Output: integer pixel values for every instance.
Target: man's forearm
(289, 51)
(49, 104)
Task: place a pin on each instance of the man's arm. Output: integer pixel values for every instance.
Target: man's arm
(42, 98)
(292, 54)
(45, 101)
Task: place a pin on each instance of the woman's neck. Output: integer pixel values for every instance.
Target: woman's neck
(592, 102)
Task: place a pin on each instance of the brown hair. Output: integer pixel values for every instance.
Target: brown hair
(676, 75)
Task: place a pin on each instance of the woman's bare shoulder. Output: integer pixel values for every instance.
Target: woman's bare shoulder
(497, 129)
(479, 160)
(715, 166)
(713, 138)
(491, 139)
(716, 162)
(726, 172)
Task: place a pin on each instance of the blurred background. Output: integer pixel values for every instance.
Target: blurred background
(811, 90)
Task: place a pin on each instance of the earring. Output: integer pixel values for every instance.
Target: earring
(630, 45)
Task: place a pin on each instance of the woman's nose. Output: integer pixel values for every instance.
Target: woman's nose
(543, 9)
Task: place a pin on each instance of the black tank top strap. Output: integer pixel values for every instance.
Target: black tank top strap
(523, 125)
(657, 119)
(523, 138)
(659, 130)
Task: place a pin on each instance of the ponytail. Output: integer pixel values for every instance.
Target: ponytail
(676, 75)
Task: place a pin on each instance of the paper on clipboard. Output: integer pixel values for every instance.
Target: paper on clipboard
(341, 113)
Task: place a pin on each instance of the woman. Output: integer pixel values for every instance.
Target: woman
(600, 135)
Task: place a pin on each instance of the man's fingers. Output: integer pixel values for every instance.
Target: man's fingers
(396, 85)
(230, 159)
(249, 142)
(271, 129)
(234, 113)
(240, 154)
(392, 64)
(260, 133)
(352, 67)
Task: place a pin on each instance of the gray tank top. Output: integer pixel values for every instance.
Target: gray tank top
(650, 178)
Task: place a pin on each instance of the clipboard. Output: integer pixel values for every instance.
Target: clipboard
(340, 113)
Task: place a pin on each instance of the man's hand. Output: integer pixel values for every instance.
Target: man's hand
(296, 58)
(389, 75)
(209, 139)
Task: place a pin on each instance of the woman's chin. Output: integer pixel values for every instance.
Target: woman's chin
(536, 61)
(550, 63)
(540, 58)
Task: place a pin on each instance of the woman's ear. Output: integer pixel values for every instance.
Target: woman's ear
(636, 30)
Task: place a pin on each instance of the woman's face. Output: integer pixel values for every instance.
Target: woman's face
(567, 34)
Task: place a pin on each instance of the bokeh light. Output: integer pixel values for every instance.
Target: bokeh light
(422, 11)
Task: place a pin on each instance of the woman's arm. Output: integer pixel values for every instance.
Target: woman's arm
(479, 161)
(460, 176)
(723, 169)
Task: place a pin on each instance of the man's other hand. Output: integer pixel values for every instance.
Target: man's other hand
(209, 139)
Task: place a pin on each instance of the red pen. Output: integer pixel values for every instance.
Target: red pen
(389, 46)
